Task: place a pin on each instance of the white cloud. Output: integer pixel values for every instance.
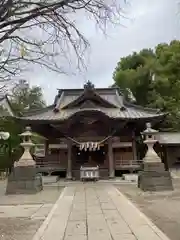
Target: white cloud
(148, 23)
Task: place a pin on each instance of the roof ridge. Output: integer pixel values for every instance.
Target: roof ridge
(81, 89)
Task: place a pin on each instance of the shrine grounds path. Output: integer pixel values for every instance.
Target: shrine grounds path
(96, 211)
(90, 211)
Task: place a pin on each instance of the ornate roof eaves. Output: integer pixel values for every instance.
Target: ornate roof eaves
(58, 120)
(37, 121)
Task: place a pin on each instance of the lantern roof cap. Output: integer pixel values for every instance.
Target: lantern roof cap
(149, 130)
(27, 132)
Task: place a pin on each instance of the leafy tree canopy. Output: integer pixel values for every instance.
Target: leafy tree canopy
(23, 98)
(153, 76)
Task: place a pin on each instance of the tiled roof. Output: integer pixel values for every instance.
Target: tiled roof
(107, 94)
(120, 110)
(129, 113)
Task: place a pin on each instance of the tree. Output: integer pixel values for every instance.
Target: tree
(26, 98)
(23, 98)
(37, 31)
(153, 76)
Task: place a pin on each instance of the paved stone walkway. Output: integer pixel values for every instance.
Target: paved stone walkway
(33, 211)
(96, 212)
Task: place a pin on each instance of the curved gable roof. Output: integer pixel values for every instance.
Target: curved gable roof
(90, 95)
(109, 95)
(111, 102)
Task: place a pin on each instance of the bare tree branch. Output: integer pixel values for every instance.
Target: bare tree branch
(37, 31)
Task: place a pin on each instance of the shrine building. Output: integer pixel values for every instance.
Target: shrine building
(90, 127)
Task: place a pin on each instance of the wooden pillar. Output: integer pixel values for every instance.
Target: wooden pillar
(166, 158)
(46, 147)
(69, 160)
(111, 159)
(134, 147)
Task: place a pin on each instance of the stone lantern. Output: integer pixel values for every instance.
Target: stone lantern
(24, 177)
(26, 159)
(153, 176)
(150, 140)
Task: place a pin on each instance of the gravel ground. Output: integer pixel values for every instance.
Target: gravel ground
(162, 208)
(22, 215)
(18, 228)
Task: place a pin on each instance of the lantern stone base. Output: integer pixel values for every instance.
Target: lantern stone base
(153, 177)
(24, 180)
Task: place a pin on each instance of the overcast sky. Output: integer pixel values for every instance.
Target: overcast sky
(149, 22)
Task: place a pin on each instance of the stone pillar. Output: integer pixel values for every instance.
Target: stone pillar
(153, 176)
(69, 160)
(111, 159)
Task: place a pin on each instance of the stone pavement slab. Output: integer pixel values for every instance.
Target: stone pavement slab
(35, 211)
(96, 211)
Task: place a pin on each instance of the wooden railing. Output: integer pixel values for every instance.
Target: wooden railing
(127, 164)
(49, 164)
(118, 163)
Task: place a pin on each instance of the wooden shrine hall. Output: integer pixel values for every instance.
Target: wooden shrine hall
(90, 127)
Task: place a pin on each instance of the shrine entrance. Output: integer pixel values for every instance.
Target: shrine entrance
(89, 134)
(88, 157)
